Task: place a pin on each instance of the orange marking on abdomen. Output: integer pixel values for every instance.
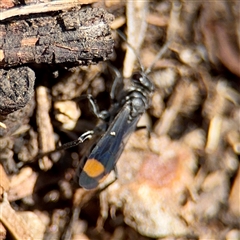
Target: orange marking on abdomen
(93, 168)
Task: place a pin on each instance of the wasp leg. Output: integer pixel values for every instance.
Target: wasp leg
(104, 185)
(141, 127)
(116, 173)
(144, 127)
(103, 201)
(101, 115)
(94, 107)
(67, 145)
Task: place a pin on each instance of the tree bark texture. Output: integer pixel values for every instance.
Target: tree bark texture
(76, 37)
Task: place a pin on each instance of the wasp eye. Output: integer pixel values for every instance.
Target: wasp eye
(142, 80)
(137, 76)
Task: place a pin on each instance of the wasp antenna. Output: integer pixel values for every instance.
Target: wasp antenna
(120, 33)
(118, 79)
(160, 54)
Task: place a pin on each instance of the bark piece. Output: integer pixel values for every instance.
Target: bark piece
(13, 121)
(77, 37)
(16, 88)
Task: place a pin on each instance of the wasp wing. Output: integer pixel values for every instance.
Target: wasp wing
(107, 151)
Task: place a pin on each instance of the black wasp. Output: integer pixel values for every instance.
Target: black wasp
(121, 121)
